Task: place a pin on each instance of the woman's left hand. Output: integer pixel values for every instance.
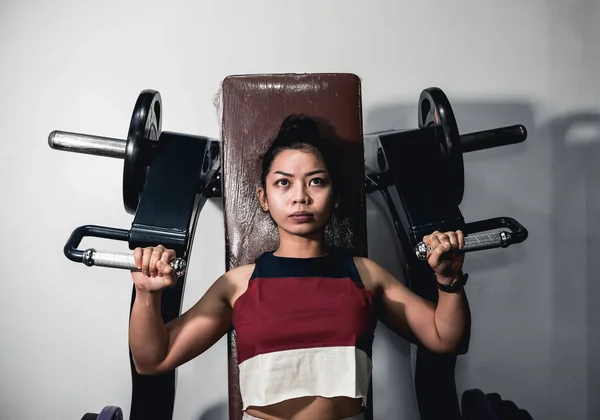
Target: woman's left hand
(445, 255)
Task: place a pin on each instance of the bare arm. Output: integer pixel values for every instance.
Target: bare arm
(158, 348)
(443, 328)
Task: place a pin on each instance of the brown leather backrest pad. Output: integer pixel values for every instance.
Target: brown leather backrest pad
(253, 108)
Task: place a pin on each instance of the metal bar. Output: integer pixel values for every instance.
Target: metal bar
(126, 261)
(493, 138)
(87, 144)
(483, 241)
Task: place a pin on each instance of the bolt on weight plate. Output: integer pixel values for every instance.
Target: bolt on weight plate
(143, 136)
(435, 111)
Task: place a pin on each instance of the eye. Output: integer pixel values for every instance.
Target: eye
(282, 182)
(317, 181)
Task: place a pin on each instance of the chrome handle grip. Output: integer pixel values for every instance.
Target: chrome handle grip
(472, 243)
(92, 257)
(477, 240)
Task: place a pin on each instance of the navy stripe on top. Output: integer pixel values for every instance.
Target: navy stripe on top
(337, 264)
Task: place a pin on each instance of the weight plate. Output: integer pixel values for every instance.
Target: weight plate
(524, 415)
(144, 133)
(435, 110)
(510, 410)
(476, 406)
(90, 416)
(496, 403)
(111, 413)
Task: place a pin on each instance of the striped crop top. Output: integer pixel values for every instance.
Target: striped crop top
(304, 327)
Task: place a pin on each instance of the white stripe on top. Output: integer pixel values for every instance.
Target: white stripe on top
(328, 372)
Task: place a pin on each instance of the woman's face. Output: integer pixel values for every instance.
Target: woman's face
(299, 193)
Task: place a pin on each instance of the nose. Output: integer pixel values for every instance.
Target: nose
(300, 195)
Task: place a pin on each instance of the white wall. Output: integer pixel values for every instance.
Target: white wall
(79, 65)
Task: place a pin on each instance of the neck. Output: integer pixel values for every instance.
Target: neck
(301, 247)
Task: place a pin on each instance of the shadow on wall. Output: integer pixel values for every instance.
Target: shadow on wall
(393, 394)
(217, 412)
(575, 228)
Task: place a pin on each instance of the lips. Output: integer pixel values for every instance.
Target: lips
(301, 213)
(301, 216)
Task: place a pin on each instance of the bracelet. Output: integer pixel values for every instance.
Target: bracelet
(454, 287)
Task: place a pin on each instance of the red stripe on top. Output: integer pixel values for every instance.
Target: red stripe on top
(276, 314)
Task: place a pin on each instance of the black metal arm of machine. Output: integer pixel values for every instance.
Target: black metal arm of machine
(425, 166)
(429, 178)
(167, 178)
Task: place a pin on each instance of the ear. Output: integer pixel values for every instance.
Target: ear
(262, 199)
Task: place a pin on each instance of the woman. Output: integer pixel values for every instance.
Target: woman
(304, 314)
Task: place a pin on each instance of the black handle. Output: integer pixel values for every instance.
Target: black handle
(76, 255)
(518, 232)
(91, 257)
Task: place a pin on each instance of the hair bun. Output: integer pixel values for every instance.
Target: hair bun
(298, 125)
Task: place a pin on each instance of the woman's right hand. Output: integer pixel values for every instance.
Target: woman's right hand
(156, 273)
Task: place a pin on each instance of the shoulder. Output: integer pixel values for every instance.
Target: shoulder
(235, 282)
(230, 282)
(369, 266)
(363, 264)
(373, 274)
(242, 270)
(238, 274)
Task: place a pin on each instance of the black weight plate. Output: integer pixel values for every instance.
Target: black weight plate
(90, 416)
(435, 110)
(510, 411)
(476, 406)
(144, 133)
(111, 413)
(495, 402)
(524, 415)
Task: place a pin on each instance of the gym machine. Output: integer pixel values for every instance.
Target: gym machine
(167, 177)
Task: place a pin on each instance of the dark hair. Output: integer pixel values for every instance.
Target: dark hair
(300, 132)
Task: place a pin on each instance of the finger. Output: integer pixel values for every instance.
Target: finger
(444, 241)
(146, 260)
(156, 254)
(460, 236)
(167, 256)
(435, 250)
(432, 242)
(432, 239)
(167, 281)
(167, 273)
(137, 256)
(453, 238)
(164, 261)
(442, 249)
(164, 269)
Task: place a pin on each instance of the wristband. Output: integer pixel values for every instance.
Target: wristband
(455, 286)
